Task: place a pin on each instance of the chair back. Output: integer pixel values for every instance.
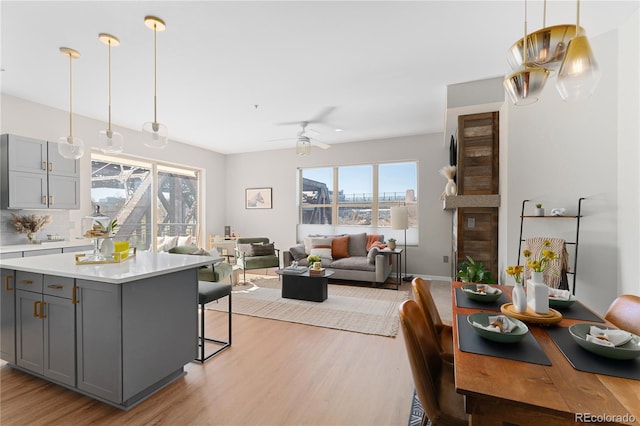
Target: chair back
(424, 298)
(249, 240)
(424, 358)
(624, 313)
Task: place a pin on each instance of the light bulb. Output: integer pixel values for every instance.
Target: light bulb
(71, 147)
(110, 142)
(579, 73)
(156, 135)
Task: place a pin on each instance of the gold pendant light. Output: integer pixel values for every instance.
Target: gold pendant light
(579, 73)
(525, 85)
(109, 142)
(546, 47)
(69, 146)
(156, 134)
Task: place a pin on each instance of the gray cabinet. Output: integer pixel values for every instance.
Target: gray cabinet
(8, 316)
(45, 326)
(35, 175)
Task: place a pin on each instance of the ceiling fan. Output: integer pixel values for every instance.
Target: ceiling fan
(303, 142)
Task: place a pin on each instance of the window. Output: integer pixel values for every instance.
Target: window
(365, 194)
(123, 189)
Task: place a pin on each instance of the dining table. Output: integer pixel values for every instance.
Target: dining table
(534, 381)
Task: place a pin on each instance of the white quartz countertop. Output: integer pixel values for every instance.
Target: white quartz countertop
(46, 245)
(143, 265)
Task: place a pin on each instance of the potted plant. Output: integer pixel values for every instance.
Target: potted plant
(539, 210)
(312, 258)
(391, 243)
(471, 271)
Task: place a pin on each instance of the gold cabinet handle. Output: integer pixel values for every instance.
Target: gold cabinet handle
(51, 200)
(42, 305)
(6, 282)
(44, 199)
(74, 295)
(26, 282)
(51, 167)
(56, 286)
(35, 308)
(44, 165)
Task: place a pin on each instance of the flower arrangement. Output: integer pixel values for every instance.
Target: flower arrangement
(451, 188)
(313, 258)
(539, 262)
(448, 172)
(516, 272)
(29, 224)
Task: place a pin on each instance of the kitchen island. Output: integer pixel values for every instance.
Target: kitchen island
(115, 332)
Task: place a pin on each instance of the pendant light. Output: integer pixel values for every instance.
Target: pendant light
(546, 47)
(579, 73)
(110, 142)
(156, 134)
(70, 146)
(525, 85)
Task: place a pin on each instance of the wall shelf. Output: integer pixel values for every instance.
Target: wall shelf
(451, 202)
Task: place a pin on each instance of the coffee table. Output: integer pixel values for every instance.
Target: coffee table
(305, 286)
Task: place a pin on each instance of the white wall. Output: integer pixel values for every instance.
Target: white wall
(37, 121)
(560, 151)
(278, 170)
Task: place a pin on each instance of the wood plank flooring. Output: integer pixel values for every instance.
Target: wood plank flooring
(275, 373)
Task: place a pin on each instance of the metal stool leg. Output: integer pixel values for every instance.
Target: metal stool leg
(202, 339)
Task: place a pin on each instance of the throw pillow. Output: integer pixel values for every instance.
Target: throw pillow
(184, 249)
(307, 242)
(371, 256)
(340, 247)
(246, 249)
(321, 247)
(297, 252)
(358, 244)
(183, 241)
(260, 249)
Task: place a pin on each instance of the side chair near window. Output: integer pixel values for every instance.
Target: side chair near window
(433, 377)
(256, 253)
(624, 313)
(423, 297)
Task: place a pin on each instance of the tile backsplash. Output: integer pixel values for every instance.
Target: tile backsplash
(60, 224)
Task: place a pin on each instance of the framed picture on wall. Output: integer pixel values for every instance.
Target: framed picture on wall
(258, 198)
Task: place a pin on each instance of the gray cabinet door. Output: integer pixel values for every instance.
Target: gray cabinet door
(8, 316)
(60, 166)
(64, 192)
(28, 190)
(26, 154)
(29, 338)
(99, 339)
(59, 339)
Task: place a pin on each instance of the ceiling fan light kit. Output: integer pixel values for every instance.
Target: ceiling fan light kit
(561, 47)
(110, 142)
(69, 146)
(156, 134)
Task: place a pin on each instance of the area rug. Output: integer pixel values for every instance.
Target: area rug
(416, 413)
(351, 308)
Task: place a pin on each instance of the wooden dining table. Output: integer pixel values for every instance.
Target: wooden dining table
(501, 390)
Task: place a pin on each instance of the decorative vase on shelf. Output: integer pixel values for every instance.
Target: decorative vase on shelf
(392, 245)
(451, 188)
(107, 247)
(539, 211)
(31, 237)
(519, 298)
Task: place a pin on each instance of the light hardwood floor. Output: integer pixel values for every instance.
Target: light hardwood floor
(275, 373)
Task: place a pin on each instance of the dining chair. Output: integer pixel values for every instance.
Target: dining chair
(432, 377)
(624, 313)
(423, 297)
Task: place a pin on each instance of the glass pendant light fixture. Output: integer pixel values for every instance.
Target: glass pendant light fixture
(579, 73)
(525, 85)
(303, 146)
(110, 142)
(156, 134)
(70, 146)
(546, 47)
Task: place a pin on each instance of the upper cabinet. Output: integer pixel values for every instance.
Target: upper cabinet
(36, 176)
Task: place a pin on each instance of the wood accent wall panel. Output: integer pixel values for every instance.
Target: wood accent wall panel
(478, 236)
(478, 154)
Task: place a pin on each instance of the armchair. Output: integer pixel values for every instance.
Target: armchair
(256, 253)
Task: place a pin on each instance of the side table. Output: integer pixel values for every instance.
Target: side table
(398, 255)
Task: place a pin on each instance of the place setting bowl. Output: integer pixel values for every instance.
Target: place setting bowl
(629, 350)
(518, 333)
(471, 291)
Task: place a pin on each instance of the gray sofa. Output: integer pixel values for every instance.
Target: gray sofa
(358, 264)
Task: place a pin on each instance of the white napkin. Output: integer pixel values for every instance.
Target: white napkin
(607, 337)
(559, 294)
(483, 289)
(506, 323)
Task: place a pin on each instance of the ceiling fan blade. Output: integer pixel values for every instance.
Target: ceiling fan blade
(322, 145)
(309, 132)
(319, 118)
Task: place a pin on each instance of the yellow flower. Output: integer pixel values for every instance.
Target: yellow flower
(539, 262)
(515, 272)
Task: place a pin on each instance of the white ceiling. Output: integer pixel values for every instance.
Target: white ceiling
(374, 69)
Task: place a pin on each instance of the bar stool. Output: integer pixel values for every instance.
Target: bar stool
(208, 292)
